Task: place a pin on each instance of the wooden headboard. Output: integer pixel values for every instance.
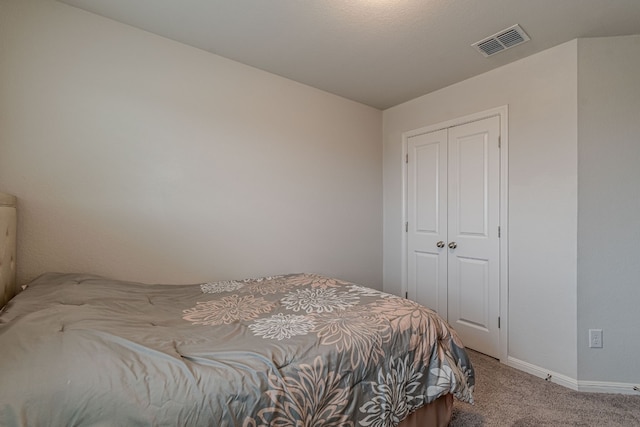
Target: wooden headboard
(8, 219)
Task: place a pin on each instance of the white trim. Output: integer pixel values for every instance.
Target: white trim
(503, 113)
(571, 383)
(607, 387)
(405, 199)
(504, 230)
(539, 372)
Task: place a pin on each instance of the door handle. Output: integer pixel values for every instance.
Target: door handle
(440, 244)
(453, 245)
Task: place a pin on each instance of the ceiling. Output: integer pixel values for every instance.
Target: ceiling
(376, 52)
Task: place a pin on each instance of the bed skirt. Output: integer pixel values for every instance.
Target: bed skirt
(437, 414)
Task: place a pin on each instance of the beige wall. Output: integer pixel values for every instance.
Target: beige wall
(609, 207)
(136, 157)
(541, 93)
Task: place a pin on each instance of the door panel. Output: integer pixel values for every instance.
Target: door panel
(470, 157)
(472, 302)
(473, 220)
(426, 186)
(427, 220)
(428, 278)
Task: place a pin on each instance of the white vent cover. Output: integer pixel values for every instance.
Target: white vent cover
(502, 40)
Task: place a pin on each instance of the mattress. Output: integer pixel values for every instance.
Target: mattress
(298, 349)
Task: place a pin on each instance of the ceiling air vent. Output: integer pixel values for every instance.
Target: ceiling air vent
(502, 40)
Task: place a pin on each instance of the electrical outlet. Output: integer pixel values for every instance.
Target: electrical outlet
(595, 338)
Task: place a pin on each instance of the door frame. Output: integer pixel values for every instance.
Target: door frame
(503, 113)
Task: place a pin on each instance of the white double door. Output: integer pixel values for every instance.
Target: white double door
(453, 215)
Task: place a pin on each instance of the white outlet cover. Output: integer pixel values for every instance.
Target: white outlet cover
(595, 338)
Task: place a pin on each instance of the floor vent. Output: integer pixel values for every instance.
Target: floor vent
(501, 41)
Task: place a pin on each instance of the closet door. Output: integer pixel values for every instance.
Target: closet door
(453, 201)
(474, 246)
(427, 220)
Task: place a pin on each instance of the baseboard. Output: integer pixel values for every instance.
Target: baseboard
(608, 387)
(573, 384)
(545, 374)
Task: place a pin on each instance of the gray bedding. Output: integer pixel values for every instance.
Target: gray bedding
(299, 349)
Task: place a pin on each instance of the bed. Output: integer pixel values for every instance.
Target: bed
(287, 350)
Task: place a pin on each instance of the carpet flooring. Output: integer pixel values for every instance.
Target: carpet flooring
(505, 396)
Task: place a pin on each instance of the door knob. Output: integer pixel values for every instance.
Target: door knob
(440, 244)
(453, 245)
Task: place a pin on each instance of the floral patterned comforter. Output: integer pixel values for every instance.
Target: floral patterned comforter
(292, 350)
